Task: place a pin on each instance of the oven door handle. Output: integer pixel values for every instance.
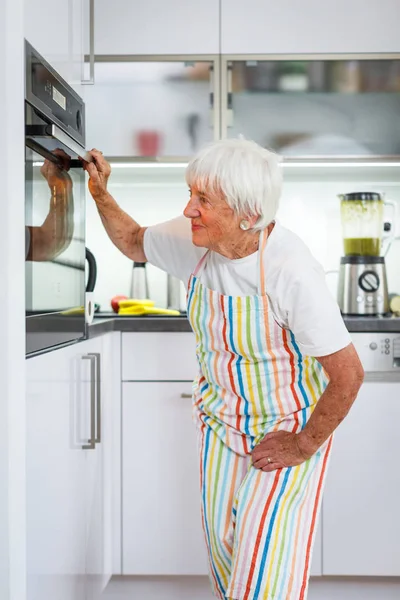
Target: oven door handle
(34, 134)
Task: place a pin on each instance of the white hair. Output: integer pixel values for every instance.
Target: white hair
(247, 175)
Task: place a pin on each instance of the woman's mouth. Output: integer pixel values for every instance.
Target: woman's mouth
(196, 227)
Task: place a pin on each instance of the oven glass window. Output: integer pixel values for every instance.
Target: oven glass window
(54, 235)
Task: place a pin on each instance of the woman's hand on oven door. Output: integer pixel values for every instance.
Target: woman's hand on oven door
(99, 171)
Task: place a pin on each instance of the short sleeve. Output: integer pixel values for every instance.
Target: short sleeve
(169, 247)
(312, 314)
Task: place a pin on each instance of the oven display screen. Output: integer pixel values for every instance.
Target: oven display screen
(59, 98)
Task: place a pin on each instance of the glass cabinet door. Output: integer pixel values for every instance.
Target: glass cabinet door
(151, 109)
(314, 107)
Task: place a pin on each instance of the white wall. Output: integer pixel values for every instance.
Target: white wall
(12, 304)
(309, 207)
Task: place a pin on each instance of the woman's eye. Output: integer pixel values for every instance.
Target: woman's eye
(203, 199)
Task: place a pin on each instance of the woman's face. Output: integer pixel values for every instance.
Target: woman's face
(214, 223)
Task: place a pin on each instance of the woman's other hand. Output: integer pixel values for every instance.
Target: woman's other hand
(57, 175)
(277, 450)
(99, 171)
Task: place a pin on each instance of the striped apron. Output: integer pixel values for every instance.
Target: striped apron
(259, 527)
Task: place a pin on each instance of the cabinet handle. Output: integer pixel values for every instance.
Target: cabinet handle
(229, 103)
(212, 76)
(92, 441)
(97, 357)
(90, 81)
(184, 395)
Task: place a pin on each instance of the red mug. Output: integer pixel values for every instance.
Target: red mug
(148, 143)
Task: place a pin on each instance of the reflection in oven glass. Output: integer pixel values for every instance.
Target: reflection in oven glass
(54, 233)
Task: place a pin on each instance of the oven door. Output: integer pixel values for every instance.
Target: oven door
(55, 187)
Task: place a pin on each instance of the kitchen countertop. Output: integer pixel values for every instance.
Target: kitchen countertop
(106, 322)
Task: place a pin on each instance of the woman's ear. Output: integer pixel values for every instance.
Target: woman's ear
(253, 220)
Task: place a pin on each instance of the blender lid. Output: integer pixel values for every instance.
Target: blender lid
(361, 196)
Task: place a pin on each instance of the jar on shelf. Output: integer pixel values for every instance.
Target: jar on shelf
(345, 76)
(292, 76)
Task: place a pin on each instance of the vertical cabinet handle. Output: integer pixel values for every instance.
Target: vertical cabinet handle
(90, 81)
(92, 440)
(229, 99)
(211, 93)
(98, 395)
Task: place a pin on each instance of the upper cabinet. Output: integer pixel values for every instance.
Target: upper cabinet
(154, 27)
(151, 108)
(312, 26)
(315, 107)
(57, 32)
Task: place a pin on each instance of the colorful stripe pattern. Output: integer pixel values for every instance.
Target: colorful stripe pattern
(259, 527)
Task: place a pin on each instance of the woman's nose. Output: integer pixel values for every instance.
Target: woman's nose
(191, 211)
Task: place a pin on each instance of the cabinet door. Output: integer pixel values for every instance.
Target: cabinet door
(56, 470)
(361, 525)
(265, 26)
(331, 107)
(158, 108)
(100, 492)
(161, 524)
(69, 489)
(56, 32)
(154, 27)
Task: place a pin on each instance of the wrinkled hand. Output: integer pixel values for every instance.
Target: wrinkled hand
(57, 177)
(99, 171)
(282, 448)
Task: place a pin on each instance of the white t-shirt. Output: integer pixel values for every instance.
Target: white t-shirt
(294, 281)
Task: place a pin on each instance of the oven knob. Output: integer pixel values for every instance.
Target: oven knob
(369, 281)
(373, 346)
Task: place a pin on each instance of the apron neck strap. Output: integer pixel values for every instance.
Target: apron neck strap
(261, 247)
(201, 264)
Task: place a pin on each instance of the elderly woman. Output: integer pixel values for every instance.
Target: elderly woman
(277, 369)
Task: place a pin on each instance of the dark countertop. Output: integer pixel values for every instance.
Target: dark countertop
(106, 322)
(151, 323)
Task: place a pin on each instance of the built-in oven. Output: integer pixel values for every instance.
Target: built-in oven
(55, 189)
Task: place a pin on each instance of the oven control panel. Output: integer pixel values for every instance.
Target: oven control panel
(378, 351)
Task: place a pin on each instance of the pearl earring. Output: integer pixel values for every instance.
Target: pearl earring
(245, 225)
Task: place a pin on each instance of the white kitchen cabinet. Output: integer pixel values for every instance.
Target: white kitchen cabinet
(154, 27)
(160, 108)
(361, 525)
(156, 356)
(102, 497)
(284, 27)
(320, 107)
(161, 524)
(69, 513)
(57, 407)
(57, 32)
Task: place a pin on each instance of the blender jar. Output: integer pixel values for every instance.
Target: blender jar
(362, 223)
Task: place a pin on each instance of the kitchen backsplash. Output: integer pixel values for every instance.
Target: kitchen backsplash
(309, 206)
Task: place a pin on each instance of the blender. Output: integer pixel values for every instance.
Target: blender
(363, 288)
